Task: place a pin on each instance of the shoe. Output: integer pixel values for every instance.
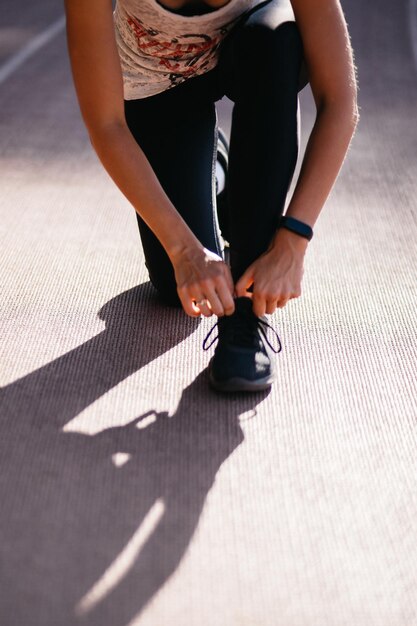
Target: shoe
(243, 359)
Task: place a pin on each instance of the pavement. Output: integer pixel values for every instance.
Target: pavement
(132, 495)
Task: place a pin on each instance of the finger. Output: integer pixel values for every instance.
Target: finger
(187, 303)
(204, 307)
(281, 303)
(244, 282)
(214, 302)
(259, 304)
(202, 293)
(191, 296)
(271, 305)
(226, 298)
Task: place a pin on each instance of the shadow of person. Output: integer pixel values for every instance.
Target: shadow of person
(86, 539)
(34, 408)
(138, 330)
(171, 465)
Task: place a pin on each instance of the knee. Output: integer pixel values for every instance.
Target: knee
(167, 295)
(169, 298)
(264, 51)
(261, 41)
(165, 287)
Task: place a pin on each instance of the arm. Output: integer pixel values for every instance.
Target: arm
(332, 78)
(329, 58)
(99, 85)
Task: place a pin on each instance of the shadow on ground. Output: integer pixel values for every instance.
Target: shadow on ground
(71, 519)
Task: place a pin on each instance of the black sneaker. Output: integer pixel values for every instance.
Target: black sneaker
(243, 359)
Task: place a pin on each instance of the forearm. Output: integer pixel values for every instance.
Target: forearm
(326, 150)
(129, 168)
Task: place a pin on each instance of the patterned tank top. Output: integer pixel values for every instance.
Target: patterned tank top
(160, 48)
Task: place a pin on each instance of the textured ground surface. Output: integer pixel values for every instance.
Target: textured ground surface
(132, 495)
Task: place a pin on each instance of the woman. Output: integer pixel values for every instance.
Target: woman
(147, 78)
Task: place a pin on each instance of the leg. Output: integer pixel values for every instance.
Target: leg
(261, 67)
(178, 133)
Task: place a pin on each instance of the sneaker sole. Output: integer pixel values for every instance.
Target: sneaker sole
(241, 384)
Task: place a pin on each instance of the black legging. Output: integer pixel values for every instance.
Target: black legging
(260, 70)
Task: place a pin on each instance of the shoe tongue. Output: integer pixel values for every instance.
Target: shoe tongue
(244, 327)
(243, 304)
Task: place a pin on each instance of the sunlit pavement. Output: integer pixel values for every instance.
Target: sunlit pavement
(130, 494)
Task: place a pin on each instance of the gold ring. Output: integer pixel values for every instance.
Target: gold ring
(201, 302)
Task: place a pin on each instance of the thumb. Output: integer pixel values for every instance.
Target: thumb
(244, 282)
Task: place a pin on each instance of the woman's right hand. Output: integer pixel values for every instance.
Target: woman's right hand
(203, 275)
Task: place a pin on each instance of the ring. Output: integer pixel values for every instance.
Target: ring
(201, 302)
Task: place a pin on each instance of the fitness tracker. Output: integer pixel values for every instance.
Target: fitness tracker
(296, 226)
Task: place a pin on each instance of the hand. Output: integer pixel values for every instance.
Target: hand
(276, 275)
(203, 275)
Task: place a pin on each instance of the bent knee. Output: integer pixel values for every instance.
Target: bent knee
(265, 58)
(169, 298)
(167, 294)
(259, 41)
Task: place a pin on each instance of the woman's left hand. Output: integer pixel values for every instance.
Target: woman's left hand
(276, 275)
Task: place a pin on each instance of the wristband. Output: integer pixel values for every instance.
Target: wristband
(296, 226)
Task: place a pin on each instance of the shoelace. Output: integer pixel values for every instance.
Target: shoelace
(246, 330)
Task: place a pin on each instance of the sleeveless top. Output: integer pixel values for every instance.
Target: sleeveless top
(159, 48)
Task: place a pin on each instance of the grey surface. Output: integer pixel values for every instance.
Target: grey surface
(296, 507)
(21, 21)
